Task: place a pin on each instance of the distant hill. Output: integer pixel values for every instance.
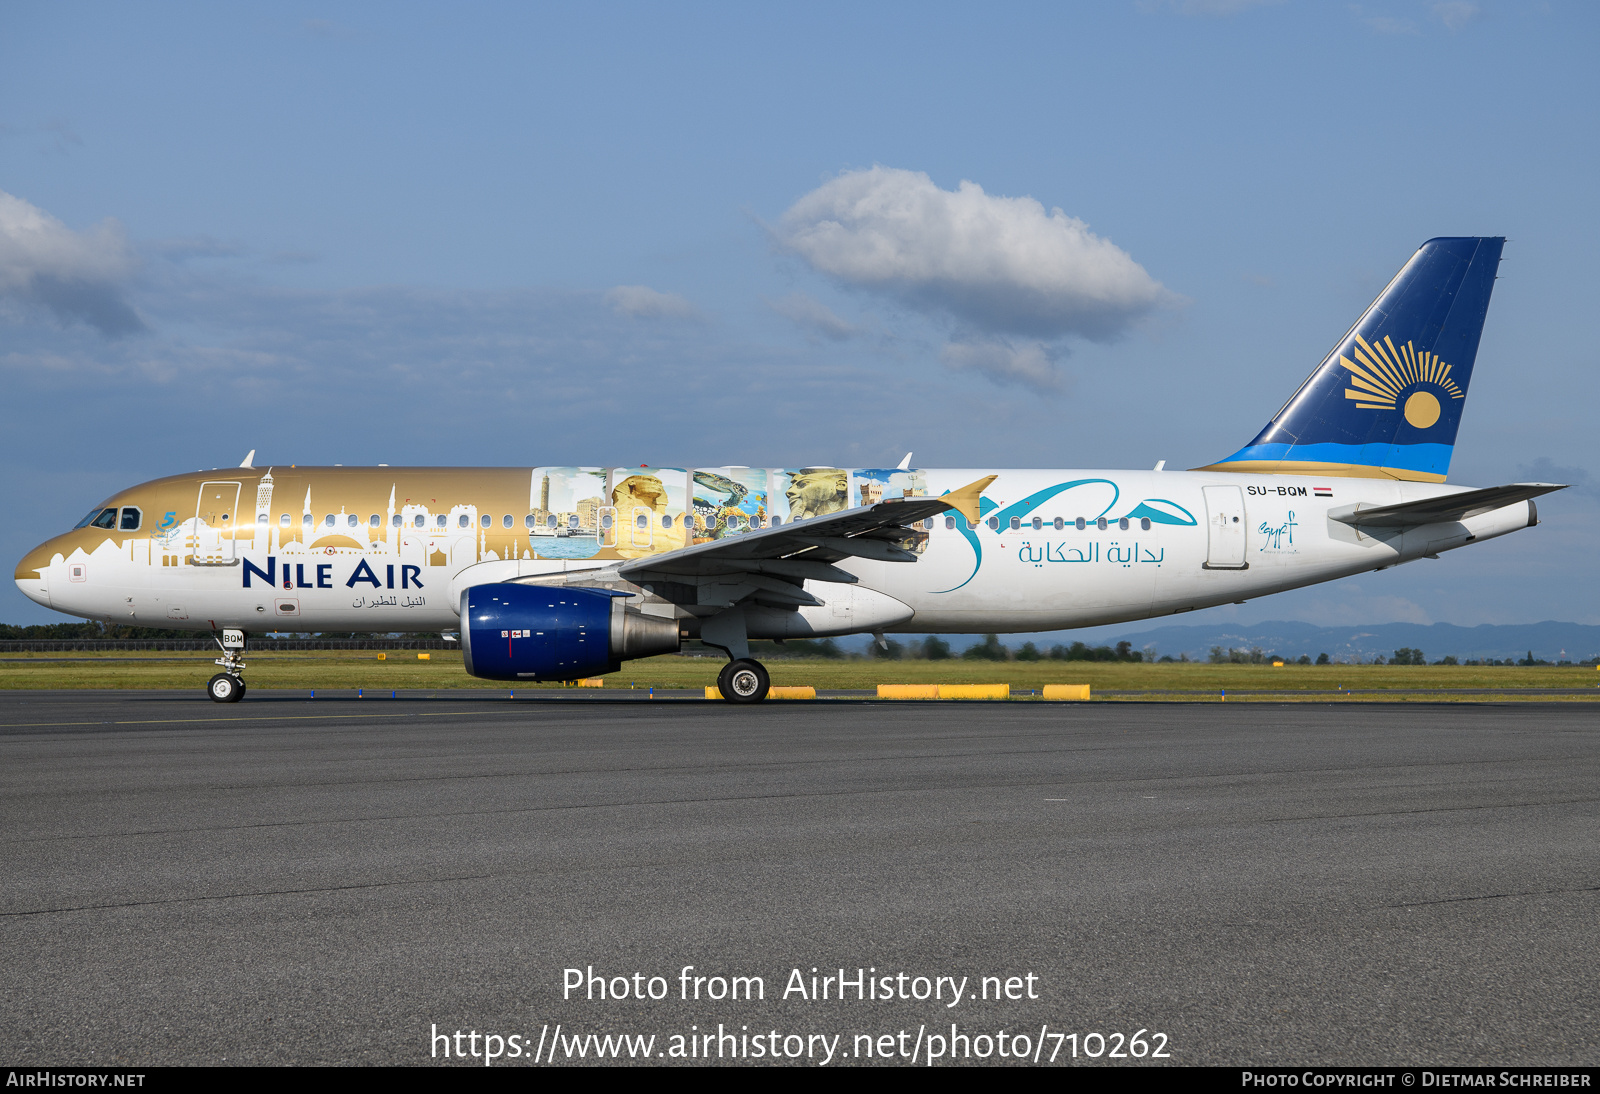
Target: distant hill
(1550, 641)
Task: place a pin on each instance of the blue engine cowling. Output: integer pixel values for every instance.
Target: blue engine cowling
(552, 632)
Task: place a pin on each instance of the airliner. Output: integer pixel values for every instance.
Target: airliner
(556, 573)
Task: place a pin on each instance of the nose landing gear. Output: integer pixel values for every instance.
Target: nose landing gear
(227, 686)
(743, 681)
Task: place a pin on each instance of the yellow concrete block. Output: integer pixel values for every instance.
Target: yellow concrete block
(713, 693)
(792, 693)
(974, 691)
(383, 657)
(1066, 691)
(424, 657)
(592, 682)
(908, 691)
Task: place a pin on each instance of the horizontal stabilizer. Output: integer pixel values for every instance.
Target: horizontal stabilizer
(1450, 507)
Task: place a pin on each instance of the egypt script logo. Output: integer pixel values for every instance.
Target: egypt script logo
(1386, 373)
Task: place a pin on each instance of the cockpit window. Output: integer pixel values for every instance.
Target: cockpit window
(84, 523)
(130, 519)
(107, 519)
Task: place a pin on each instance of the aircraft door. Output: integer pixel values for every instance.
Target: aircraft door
(216, 515)
(1225, 528)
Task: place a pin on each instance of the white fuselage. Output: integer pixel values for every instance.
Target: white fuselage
(1171, 542)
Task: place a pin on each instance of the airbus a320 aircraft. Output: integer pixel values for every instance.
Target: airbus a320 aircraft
(557, 573)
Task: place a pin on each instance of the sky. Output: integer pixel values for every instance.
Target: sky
(1089, 235)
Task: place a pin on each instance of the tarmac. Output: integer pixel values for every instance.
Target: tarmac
(297, 881)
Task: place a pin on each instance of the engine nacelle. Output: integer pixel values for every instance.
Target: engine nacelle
(550, 632)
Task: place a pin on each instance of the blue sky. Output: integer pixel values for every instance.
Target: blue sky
(518, 234)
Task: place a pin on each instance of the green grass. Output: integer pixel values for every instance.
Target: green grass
(335, 669)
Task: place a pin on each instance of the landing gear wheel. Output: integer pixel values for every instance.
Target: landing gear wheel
(743, 682)
(224, 688)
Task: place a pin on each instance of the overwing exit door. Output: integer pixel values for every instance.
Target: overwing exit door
(1225, 528)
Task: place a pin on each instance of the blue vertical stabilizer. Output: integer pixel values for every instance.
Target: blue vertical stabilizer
(1387, 401)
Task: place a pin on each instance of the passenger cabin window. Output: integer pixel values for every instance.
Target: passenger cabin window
(550, 521)
(420, 521)
(776, 521)
(666, 520)
(463, 521)
(305, 521)
(1016, 522)
(994, 524)
(1123, 524)
(641, 521)
(1101, 524)
(1080, 524)
(605, 521)
(283, 521)
(484, 521)
(1144, 523)
(442, 520)
(351, 521)
(1059, 524)
(327, 521)
(375, 521)
(1038, 523)
(529, 521)
(505, 522)
(106, 519)
(130, 519)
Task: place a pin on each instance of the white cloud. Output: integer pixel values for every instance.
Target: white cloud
(1455, 14)
(814, 316)
(77, 275)
(1027, 364)
(1002, 265)
(643, 302)
(1384, 24)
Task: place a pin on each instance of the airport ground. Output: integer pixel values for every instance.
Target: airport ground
(303, 881)
(349, 670)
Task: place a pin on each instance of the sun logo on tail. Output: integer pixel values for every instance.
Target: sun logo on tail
(1384, 374)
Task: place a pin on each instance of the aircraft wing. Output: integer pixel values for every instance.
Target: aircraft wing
(1450, 507)
(771, 564)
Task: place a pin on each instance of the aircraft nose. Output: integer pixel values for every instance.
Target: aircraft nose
(30, 575)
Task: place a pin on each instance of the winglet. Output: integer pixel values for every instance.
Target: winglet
(965, 500)
(249, 461)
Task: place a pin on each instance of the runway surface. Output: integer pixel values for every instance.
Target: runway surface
(296, 881)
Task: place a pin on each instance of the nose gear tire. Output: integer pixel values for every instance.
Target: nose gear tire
(743, 682)
(224, 688)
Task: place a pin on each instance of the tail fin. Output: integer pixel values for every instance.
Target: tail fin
(1386, 402)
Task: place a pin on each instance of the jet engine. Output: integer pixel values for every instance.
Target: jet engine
(552, 632)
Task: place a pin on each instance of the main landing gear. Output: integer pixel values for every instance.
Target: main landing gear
(227, 686)
(743, 681)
